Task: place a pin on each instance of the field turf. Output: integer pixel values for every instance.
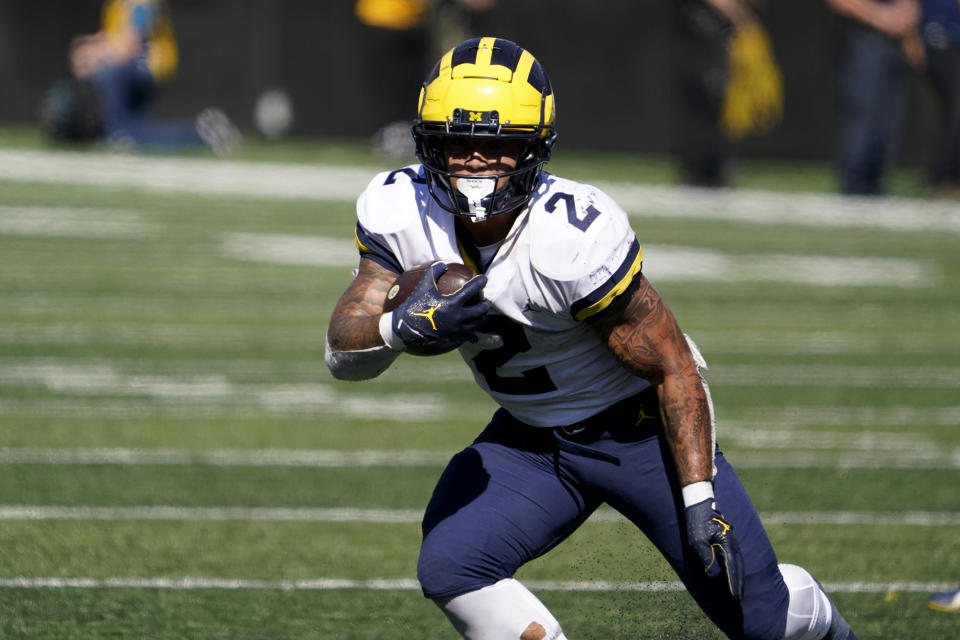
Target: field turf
(176, 461)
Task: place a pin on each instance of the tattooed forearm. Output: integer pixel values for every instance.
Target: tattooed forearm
(643, 334)
(688, 426)
(355, 320)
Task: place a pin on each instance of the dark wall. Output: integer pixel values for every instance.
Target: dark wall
(610, 63)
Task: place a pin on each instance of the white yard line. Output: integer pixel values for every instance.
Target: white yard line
(319, 182)
(102, 376)
(755, 449)
(662, 262)
(319, 458)
(98, 377)
(712, 343)
(414, 516)
(74, 222)
(753, 206)
(835, 375)
(185, 175)
(409, 584)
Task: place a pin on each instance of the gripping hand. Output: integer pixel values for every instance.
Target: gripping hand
(428, 318)
(711, 536)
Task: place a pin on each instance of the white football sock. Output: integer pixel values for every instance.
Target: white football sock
(503, 611)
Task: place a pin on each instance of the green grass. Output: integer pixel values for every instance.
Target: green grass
(156, 339)
(345, 614)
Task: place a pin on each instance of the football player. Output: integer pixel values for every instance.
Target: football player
(600, 392)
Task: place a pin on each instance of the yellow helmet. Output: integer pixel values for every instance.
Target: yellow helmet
(486, 88)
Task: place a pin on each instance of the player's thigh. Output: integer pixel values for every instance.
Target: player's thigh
(494, 508)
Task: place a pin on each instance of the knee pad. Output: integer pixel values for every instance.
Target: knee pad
(505, 610)
(810, 612)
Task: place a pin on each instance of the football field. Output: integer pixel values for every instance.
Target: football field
(176, 461)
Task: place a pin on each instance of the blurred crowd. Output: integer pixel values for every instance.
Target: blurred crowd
(884, 40)
(116, 75)
(727, 79)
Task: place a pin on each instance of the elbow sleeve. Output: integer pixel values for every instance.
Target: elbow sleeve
(361, 364)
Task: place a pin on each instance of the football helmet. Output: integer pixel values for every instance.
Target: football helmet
(486, 88)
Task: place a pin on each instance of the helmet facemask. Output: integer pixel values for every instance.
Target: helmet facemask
(476, 196)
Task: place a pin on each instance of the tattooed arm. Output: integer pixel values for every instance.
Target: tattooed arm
(642, 333)
(355, 349)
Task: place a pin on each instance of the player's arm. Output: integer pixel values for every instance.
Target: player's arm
(355, 320)
(355, 348)
(363, 340)
(643, 334)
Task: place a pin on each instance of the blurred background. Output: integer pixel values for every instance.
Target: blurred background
(612, 64)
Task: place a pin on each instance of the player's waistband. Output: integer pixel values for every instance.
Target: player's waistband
(641, 410)
(630, 420)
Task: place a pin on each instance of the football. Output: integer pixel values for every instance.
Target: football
(450, 281)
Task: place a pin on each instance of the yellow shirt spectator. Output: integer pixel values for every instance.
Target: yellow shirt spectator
(392, 14)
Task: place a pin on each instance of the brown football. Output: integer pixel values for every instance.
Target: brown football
(450, 281)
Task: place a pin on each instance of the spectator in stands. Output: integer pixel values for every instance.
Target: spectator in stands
(879, 37)
(729, 84)
(940, 30)
(398, 41)
(127, 60)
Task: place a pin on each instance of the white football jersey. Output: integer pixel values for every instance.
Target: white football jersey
(567, 256)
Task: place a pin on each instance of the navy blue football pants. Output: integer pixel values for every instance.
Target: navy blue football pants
(519, 490)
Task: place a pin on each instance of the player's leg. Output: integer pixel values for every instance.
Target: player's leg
(644, 488)
(504, 610)
(812, 614)
(779, 601)
(497, 505)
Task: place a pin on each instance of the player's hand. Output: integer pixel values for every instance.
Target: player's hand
(428, 316)
(712, 537)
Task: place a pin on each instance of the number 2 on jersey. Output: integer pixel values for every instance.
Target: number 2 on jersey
(568, 200)
(531, 381)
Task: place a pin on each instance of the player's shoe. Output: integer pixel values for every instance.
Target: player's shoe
(945, 601)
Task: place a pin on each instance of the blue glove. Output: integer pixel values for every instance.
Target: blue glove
(711, 536)
(427, 317)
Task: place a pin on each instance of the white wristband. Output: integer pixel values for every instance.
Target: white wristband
(697, 492)
(391, 339)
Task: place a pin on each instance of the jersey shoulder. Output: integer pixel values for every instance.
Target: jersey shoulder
(576, 229)
(392, 200)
